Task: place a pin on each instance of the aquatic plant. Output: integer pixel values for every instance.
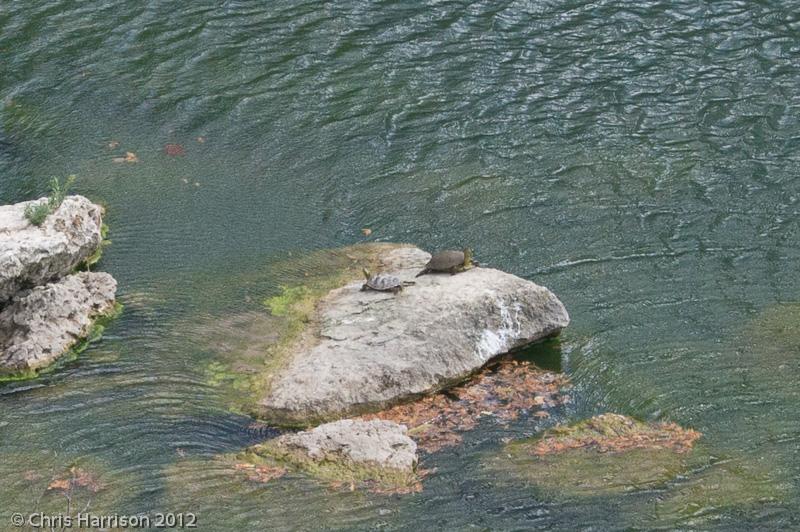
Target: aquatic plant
(95, 257)
(293, 301)
(37, 213)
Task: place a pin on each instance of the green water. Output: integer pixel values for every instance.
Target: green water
(638, 158)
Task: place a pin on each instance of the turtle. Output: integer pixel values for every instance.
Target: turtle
(382, 282)
(451, 261)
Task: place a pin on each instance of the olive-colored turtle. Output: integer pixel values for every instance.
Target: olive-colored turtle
(382, 282)
(450, 261)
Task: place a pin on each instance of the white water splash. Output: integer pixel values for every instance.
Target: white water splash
(496, 341)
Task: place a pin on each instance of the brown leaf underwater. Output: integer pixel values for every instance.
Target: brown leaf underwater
(77, 477)
(174, 150)
(615, 433)
(502, 392)
(260, 473)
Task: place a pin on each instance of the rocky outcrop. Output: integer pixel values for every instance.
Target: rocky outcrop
(45, 308)
(34, 255)
(41, 324)
(366, 350)
(375, 453)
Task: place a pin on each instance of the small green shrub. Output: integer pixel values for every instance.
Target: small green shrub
(38, 213)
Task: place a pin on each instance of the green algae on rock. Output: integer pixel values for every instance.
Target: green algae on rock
(241, 492)
(606, 454)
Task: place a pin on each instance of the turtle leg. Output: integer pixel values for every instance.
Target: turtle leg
(423, 272)
(397, 289)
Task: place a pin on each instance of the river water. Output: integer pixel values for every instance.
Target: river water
(638, 158)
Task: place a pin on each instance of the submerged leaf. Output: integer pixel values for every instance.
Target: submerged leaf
(501, 393)
(59, 484)
(129, 157)
(174, 150)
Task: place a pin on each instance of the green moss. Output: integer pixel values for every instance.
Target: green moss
(588, 473)
(692, 483)
(780, 323)
(95, 257)
(288, 301)
(19, 375)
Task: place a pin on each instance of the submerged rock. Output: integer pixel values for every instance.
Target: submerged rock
(363, 351)
(733, 483)
(375, 453)
(41, 324)
(34, 255)
(609, 453)
(376, 442)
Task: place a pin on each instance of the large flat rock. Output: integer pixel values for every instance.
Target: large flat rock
(41, 324)
(32, 256)
(372, 349)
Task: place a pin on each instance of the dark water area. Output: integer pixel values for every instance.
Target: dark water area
(640, 159)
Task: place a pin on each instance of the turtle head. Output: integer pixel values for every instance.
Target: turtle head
(467, 257)
(366, 273)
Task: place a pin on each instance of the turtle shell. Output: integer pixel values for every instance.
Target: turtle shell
(383, 282)
(445, 260)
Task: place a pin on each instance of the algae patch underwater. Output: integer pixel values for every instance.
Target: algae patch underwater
(606, 454)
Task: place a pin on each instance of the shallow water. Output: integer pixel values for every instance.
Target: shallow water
(638, 158)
